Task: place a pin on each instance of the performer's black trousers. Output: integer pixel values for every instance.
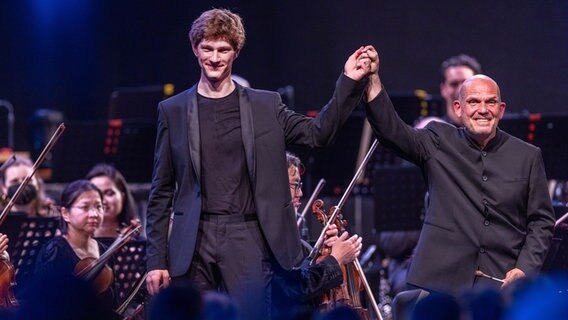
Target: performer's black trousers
(231, 256)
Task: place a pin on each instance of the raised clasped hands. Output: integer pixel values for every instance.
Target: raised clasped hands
(362, 63)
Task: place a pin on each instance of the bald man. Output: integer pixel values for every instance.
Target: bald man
(489, 207)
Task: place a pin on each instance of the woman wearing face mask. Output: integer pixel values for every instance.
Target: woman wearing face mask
(32, 202)
(120, 207)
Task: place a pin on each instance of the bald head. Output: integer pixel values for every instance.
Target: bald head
(476, 80)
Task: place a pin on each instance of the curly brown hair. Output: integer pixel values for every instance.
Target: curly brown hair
(218, 24)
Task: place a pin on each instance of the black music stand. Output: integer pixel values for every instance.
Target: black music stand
(136, 103)
(399, 198)
(129, 266)
(548, 132)
(132, 148)
(557, 258)
(550, 135)
(516, 125)
(27, 236)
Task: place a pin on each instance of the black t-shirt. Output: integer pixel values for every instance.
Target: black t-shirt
(226, 187)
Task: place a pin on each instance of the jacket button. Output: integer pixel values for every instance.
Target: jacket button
(484, 178)
(482, 250)
(486, 222)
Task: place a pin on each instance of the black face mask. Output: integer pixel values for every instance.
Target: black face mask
(28, 194)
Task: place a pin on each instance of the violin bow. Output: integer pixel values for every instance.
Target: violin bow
(339, 206)
(118, 243)
(331, 219)
(28, 178)
(137, 286)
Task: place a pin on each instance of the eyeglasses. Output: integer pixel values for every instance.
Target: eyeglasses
(296, 186)
(98, 208)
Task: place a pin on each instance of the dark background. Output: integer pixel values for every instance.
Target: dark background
(69, 55)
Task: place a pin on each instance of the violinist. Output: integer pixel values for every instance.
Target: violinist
(82, 213)
(303, 285)
(33, 201)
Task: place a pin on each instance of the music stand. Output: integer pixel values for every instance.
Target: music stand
(557, 257)
(548, 132)
(131, 148)
(137, 103)
(129, 266)
(399, 198)
(28, 235)
(516, 125)
(550, 135)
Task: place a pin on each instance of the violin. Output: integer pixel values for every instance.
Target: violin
(7, 271)
(95, 270)
(348, 293)
(354, 269)
(100, 276)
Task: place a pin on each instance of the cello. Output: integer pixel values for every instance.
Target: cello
(7, 271)
(354, 278)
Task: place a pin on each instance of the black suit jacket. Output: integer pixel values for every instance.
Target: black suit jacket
(267, 127)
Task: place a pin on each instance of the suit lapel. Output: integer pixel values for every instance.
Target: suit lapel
(193, 131)
(247, 131)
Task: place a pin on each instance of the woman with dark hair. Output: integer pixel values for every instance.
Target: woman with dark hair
(82, 212)
(33, 201)
(120, 207)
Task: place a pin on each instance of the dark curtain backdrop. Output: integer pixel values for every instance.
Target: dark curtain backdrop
(69, 55)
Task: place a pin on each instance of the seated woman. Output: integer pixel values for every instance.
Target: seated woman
(120, 207)
(82, 213)
(32, 202)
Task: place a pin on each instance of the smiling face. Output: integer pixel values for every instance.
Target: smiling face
(216, 59)
(480, 108)
(113, 198)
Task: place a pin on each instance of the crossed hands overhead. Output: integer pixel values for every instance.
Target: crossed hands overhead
(362, 63)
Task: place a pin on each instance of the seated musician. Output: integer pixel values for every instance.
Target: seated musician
(33, 201)
(81, 215)
(120, 207)
(302, 286)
